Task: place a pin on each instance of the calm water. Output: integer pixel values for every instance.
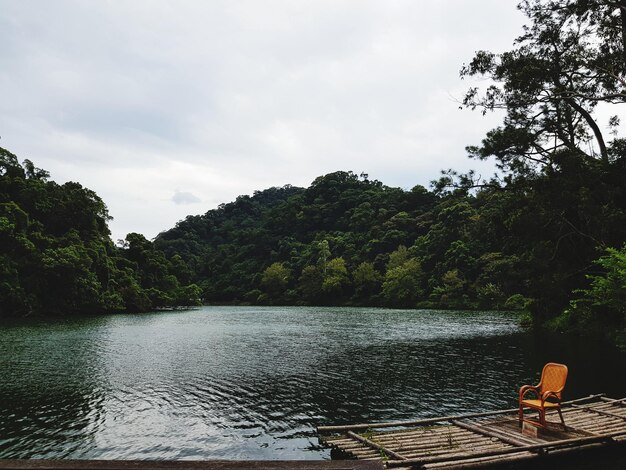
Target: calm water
(252, 383)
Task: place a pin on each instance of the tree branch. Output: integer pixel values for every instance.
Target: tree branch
(596, 130)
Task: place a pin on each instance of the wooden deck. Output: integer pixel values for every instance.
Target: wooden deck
(481, 439)
(36, 464)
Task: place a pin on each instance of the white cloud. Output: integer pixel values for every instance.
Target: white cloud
(184, 198)
(141, 100)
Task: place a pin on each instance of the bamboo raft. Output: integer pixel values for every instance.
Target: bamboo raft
(481, 439)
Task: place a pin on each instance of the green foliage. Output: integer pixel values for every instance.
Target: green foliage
(275, 280)
(324, 254)
(57, 257)
(608, 289)
(451, 291)
(490, 294)
(341, 215)
(517, 302)
(560, 194)
(310, 284)
(530, 243)
(401, 286)
(367, 281)
(335, 278)
(188, 296)
(398, 258)
(9, 165)
(603, 303)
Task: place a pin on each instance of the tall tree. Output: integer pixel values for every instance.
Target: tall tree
(570, 58)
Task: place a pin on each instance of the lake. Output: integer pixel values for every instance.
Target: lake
(253, 382)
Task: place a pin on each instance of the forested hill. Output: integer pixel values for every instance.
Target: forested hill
(57, 257)
(350, 240)
(293, 245)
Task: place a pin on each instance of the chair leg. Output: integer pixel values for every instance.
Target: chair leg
(521, 415)
(542, 418)
(561, 416)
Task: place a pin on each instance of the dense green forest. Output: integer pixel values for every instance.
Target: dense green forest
(57, 257)
(546, 234)
(349, 240)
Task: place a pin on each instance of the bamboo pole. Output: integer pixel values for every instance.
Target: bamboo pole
(609, 403)
(593, 419)
(420, 431)
(491, 433)
(434, 446)
(486, 462)
(601, 412)
(453, 450)
(419, 447)
(373, 444)
(448, 432)
(604, 428)
(511, 450)
(481, 462)
(619, 401)
(458, 439)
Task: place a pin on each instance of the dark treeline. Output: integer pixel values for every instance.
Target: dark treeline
(546, 234)
(57, 257)
(350, 240)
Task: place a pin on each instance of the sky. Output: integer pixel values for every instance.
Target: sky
(170, 108)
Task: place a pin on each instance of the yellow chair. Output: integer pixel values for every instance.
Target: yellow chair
(550, 387)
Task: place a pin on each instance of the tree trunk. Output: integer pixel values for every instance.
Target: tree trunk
(622, 8)
(604, 154)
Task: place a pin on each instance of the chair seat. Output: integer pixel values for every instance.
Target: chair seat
(537, 404)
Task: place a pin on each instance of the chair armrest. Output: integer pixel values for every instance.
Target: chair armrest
(528, 388)
(549, 394)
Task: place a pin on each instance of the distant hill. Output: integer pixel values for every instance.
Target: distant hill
(229, 249)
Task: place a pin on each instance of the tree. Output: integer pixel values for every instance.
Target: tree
(602, 305)
(335, 279)
(401, 287)
(310, 284)
(188, 296)
(569, 59)
(366, 280)
(10, 165)
(607, 289)
(398, 257)
(562, 171)
(451, 291)
(324, 254)
(275, 279)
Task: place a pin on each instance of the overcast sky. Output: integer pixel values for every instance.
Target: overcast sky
(169, 108)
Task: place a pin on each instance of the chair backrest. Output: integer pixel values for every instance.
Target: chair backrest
(553, 378)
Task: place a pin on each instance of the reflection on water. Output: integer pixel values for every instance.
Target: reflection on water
(252, 383)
